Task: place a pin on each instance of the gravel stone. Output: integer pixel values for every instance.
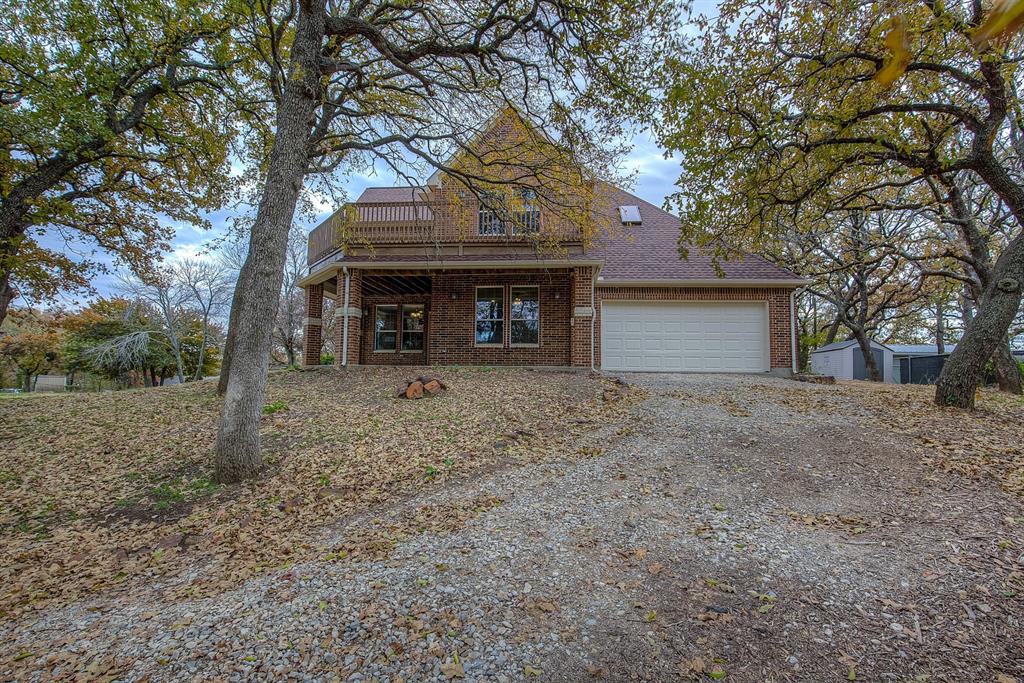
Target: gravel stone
(684, 534)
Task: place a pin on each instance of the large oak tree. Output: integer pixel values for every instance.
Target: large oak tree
(395, 83)
(111, 116)
(786, 111)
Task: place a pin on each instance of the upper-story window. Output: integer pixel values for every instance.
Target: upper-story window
(489, 220)
(527, 214)
(524, 216)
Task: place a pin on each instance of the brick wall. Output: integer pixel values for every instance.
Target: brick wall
(564, 337)
(508, 152)
(780, 341)
(582, 290)
(312, 328)
(451, 326)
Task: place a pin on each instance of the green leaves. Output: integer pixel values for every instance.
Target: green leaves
(779, 115)
(113, 115)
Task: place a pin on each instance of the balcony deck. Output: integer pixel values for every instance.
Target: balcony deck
(397, 223)
(378, 223)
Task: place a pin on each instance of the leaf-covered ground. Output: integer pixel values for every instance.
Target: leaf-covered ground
(113, 490)
(686, 527)
(988, 442)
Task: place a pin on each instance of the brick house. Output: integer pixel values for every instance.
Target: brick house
(438, 274)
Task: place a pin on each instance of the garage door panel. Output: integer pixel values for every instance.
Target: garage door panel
(684, 336)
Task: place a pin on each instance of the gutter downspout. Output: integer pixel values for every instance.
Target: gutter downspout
(593, 316)
(794, 350)
(344, 322)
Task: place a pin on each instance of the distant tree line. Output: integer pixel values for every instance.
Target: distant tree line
(167, 326)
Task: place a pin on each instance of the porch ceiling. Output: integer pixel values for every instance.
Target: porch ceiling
(387, 285)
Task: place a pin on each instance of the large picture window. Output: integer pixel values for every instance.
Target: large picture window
(525, 316)
(385, 328)
(490, 316)
(412, 327)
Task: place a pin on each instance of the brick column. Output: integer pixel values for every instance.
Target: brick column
(355, 319)
(582, 316)
(312, 326)
(780, 330)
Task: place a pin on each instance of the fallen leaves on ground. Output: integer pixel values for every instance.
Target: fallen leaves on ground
(988, 441)
(101, 490)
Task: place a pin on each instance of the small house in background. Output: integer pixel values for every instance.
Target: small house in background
(844, 360)
(919, 363)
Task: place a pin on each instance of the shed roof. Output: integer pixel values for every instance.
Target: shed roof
(835, 346)
(919, 349)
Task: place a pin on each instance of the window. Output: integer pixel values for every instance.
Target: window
(385, 328)
(629, 214)
(412, 327)
(490, 316)
(524, 218)
(525, 328)
(527, 214)
(489, 222)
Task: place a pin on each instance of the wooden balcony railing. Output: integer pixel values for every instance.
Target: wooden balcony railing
(412, 222)
(378, 223)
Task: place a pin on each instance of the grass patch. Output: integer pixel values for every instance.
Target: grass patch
(275, 407)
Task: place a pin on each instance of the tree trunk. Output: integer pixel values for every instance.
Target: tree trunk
(833, 330)
(179, 366)
(998, 307)
(6, 294)
(26, 382)
(1007, 370)
(966, 307)
(238, 437)
(289, 353)
(940, 328)
(229, 339)
(202, 350)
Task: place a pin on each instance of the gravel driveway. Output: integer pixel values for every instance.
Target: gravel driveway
(738, 539)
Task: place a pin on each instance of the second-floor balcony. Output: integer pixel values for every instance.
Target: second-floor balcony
(408, 222)
(412, 222)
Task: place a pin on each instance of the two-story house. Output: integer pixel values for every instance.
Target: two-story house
(440, 274)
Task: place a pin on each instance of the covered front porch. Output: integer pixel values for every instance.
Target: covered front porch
(539, 316)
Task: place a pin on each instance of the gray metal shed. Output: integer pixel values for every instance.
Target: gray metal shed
(844, 360)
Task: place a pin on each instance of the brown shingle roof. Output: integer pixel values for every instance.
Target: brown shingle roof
(378, 195)
(650, 251)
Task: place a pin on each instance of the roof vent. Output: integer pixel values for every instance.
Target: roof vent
(630, 215)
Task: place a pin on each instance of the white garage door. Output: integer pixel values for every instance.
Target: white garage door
(682, 337)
